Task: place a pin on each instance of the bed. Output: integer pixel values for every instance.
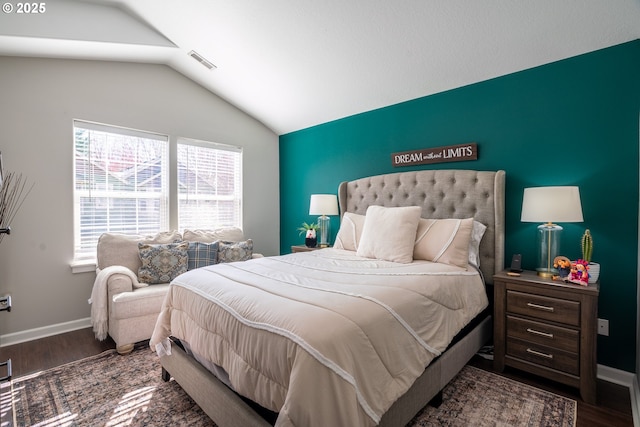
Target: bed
(367, 354)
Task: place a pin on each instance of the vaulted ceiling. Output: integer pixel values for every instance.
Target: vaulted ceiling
(292, 64)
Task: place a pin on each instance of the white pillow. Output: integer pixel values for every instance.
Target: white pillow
(389, 233)
(474, 243)
(348, 236)
(444, 240)
(122, 249)
(229, 234)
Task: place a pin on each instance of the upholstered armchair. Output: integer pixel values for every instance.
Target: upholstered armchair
(133, 275)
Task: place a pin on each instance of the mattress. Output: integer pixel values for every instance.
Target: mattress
(323, 337)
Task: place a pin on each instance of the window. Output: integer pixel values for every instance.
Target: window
(209, 185)
(122, 182)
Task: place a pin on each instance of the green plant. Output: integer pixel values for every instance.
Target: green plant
(586, 243)
(306, 227)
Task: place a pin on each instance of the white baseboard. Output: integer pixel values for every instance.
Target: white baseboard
(45, 331)
(616, 376)
(626, 379)
(635, 402)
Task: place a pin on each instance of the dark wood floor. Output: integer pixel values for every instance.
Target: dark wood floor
(613, 401)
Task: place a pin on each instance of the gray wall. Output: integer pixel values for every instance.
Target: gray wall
(39, 98)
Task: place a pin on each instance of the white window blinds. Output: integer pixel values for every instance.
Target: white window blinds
(209, 185)
(120, 183)
(122, 180)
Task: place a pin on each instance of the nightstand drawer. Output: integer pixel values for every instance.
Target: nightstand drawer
(544, 356)
(543, 334)
(541, 307)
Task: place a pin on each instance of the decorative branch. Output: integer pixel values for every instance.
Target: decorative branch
(13, 192)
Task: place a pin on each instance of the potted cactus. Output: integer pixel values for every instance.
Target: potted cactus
(310, 238)
(586, 244)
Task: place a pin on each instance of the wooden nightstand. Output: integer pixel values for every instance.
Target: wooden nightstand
(547, 328)
(303, 248)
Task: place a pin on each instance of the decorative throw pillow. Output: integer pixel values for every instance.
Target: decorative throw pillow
(389, 233)
(235, 251)
(162, 263)
(474, 242)
(350, 231)
(202, 254)
(227, 234)
(444, 240)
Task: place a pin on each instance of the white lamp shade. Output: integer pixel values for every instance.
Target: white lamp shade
(551, 204)
(323, 204)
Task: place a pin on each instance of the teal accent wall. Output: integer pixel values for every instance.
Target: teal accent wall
(572, 122)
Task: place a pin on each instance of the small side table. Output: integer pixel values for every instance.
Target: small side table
(547, 328)
(303, 248)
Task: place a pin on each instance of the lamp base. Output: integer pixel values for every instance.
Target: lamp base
(324, 223)
(548, 248)
(547, 274)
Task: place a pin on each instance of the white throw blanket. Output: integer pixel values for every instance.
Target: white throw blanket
(98, 300)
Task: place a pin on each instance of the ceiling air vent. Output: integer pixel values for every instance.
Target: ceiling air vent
(195, 55)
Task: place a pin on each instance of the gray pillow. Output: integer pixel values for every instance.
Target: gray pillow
(235, 251)
(202, 254)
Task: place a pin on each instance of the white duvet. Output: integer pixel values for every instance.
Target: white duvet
(324, 337)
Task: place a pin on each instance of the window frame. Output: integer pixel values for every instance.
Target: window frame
(238, 194)
(171, 197)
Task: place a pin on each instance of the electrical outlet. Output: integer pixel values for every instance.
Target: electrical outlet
(603, 327)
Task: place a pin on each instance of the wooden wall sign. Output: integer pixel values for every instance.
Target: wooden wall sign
(450, 153)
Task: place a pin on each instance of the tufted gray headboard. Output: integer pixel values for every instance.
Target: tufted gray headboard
(441, 194)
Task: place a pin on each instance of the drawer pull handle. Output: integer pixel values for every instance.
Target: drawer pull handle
(540, 307)
(542, 334)
(538, 353)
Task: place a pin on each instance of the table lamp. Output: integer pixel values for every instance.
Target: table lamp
(323, 205)
(549, 205)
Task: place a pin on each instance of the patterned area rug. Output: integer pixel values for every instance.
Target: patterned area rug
(113, 390)
(480, 398)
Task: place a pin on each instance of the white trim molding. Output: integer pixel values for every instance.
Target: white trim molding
(635, 401)
(43, 332)
(86, 266)
(626, 379)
